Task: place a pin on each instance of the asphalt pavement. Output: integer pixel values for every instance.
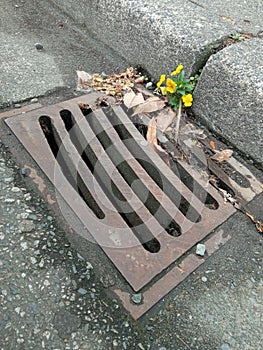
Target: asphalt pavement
(52, 293)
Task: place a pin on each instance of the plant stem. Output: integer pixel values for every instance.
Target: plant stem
(179, 114)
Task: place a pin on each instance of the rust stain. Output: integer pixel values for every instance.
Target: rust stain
(36, 178)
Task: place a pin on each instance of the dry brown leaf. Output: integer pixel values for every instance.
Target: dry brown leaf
(144, 91)
(111, 85)
(152, 104)
(228, 19)
(223, 155)
(139, 80)
(212, 144)
(152, 139)
(131, 99)
(84, 78)
(259, 224)
(165, 118)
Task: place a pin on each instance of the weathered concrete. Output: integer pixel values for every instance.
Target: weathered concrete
(246, 15)
(26, 72)
(156, 34)
(229, 96)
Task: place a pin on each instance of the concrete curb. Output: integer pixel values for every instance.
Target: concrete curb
(231, 102)
(162, 34)
(157, 35)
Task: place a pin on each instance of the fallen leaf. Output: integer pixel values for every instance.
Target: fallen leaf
(112, 85)
(83, 79)
(212, 144)
(193, 132)
(139, 80)
(165, 118)
(223, 155)
(152, 104)
(144, 91)
(152, 139)
(131, 99)
(259, 224)
(228, 19)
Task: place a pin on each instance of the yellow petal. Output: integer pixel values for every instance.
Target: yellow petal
(178, 70)
(163, 90)
(170, 86)
(187, 100)
(162, 79)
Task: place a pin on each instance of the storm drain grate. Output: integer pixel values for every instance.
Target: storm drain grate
(143, 214)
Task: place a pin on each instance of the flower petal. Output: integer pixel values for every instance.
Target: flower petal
(187, 100)
(162, 79)
(170, 85)
(163, 90)
(178, 70)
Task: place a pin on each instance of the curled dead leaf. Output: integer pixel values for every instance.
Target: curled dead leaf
(152, 104)
(223, 155)
(84, 79)
(139, 80)
(259, 224)
(165, 118)
(212, 144)
(152, 139)
(131, 99)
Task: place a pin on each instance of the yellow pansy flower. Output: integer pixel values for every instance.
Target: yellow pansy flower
(187, 100)
(170, 86)
(178, 70)
(163, 90)
(162, 79)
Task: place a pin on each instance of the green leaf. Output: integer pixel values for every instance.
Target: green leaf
(182, 92)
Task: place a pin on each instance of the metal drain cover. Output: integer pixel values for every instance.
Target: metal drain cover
(144, 215)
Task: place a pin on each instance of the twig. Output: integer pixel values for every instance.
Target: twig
(183, 342)
(179, 114)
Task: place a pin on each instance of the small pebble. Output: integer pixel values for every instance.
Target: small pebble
(204, 279)
(225, 347)
(149, 85)
(17, 105)
(23, 171)
(115, 342)
(137, 298)
(15, 189)
(24, 245)
(34, 100)
(104, 75)
(33, 260)
(82, 291)
(200, 249)
(39, 46)
(42, 262)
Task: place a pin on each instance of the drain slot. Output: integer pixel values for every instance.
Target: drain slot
(66, 166)
(128, 174)
(164, 184)
(148, 241)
